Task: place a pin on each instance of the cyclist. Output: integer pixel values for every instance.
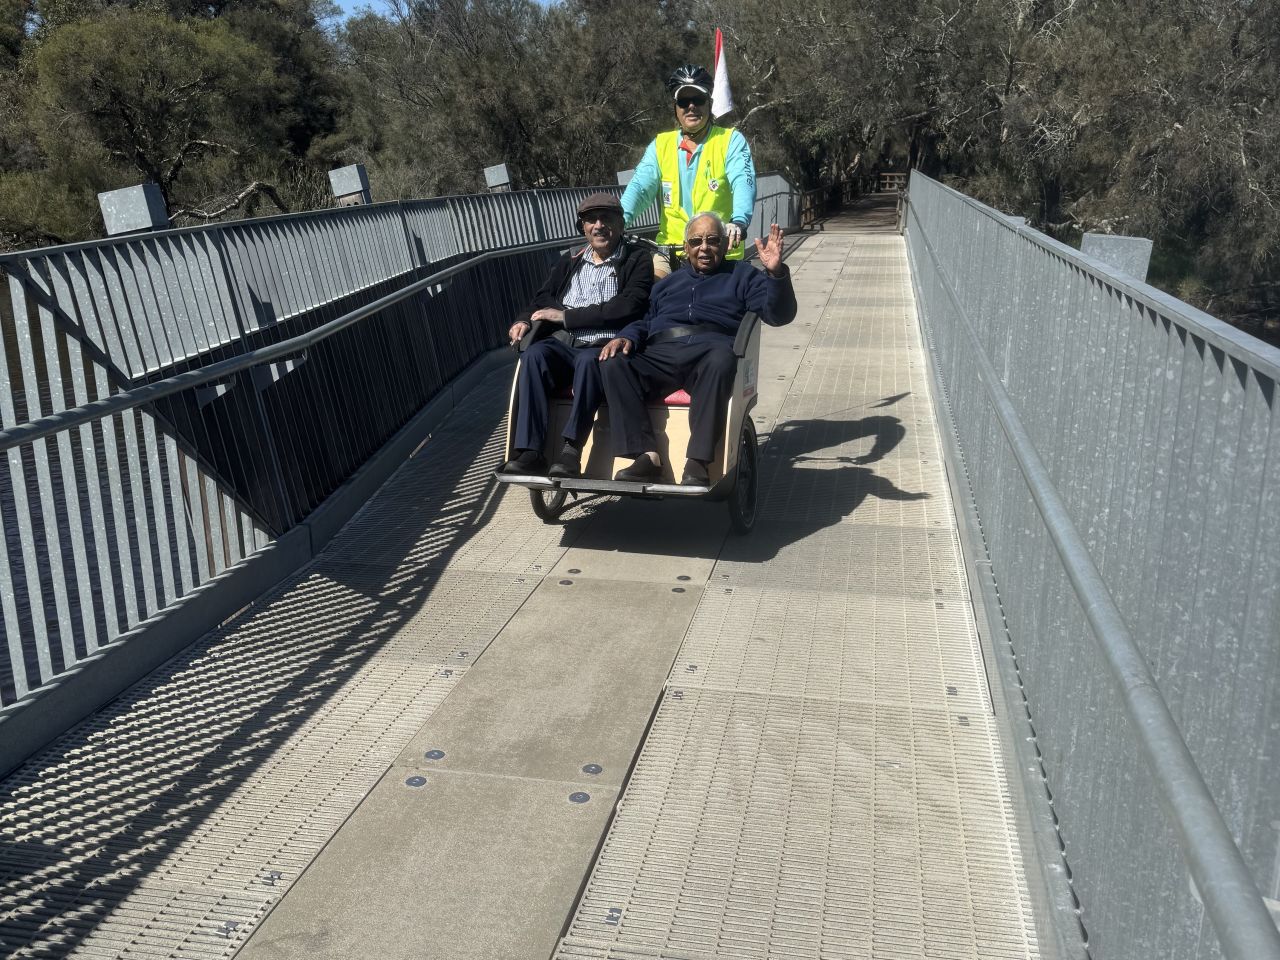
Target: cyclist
(698, 167)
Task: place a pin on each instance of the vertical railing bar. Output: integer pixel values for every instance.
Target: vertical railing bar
(212, 507)
(312, 472)
(382, 365)
(234, 542)
(197, 517)
(281, 252)
(171, 469)
(139, 525)
(1169, 443)
(17, 673)
(162, 526)
(123, 567)
(278, 282)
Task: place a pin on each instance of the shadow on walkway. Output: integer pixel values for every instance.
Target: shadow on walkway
(96, 816)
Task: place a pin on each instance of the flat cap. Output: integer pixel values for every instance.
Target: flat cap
(601, 201)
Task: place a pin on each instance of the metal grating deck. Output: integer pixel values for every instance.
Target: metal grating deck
(773, 826)
(823, 777)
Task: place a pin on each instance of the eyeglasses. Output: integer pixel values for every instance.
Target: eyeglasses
(712, 241)
(684, 103)
(596, 216)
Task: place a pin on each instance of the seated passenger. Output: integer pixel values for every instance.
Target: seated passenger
(589, 295)
(685, 341)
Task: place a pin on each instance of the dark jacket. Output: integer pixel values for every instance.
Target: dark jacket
(635, 278)
(717, 301)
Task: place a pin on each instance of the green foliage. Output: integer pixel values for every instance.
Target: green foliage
(156, 94)
(15, 16)
(443, 88)
(1150, 117)
(221, 105)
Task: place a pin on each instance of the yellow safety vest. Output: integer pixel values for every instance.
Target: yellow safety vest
(711, 189)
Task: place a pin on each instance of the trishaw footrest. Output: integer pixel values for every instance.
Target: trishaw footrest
(524, 480)
(633, 487)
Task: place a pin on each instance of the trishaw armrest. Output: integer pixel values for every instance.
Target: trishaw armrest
(748, 325)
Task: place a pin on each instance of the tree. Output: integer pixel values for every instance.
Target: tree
(444, 88)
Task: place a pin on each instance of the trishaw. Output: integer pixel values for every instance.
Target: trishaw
(733, 473)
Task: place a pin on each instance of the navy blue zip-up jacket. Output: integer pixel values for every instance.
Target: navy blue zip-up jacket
(717, 300)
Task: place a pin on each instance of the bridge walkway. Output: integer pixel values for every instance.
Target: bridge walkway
(441, 740)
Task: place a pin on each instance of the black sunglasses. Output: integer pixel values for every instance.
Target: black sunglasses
(684, 103)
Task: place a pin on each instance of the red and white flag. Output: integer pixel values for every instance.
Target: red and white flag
(721, 96)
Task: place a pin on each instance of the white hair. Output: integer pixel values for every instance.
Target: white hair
(707, 215)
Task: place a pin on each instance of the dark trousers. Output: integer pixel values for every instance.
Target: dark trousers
(549, 365)
(704, 366)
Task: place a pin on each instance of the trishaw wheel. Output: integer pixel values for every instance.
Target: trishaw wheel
(547, 504)
(742, 499)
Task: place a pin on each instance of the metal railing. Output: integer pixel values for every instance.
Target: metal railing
(172, 403)
(1120, 448)
(117, 516)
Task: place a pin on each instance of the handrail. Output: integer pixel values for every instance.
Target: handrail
(150, 392)
(1240, 918)
(1261, 355)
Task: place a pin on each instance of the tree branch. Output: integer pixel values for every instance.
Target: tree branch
(252, 189)
(763, 106)
(178, 160)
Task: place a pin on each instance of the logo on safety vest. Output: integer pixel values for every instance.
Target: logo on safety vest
(713, 184)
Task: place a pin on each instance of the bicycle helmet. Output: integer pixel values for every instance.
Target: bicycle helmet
(690, 75)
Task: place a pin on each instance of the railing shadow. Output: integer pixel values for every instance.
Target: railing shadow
(118, 802)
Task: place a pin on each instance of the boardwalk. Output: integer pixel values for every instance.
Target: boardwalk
(441, 740)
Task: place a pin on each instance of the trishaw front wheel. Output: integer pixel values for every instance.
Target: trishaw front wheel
(547, 504)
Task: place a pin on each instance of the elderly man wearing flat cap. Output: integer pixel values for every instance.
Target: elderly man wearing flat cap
(590, 295)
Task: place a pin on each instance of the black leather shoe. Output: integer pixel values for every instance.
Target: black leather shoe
(641, 469)
(528, 463)
(568, 464)
(695, 474)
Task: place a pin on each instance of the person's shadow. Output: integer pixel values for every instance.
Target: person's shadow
(811, 479)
